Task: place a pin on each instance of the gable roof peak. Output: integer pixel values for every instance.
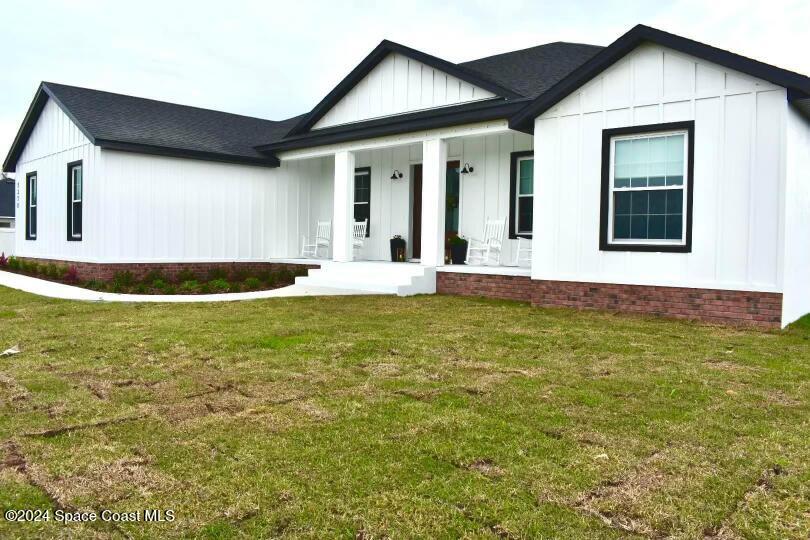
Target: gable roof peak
(376, 56)
(797, 85)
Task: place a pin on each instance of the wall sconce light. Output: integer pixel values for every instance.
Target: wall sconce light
(467, 169)
(397, 175)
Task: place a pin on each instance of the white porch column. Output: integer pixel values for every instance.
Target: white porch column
(343, 211)
(434, 184)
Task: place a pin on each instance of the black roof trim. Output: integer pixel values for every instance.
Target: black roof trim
(479, 111)
(41, 97)
(44, 92)
(798, 85)
(269, 161)
(375, 57)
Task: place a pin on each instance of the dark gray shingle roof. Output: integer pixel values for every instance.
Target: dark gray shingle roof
(145, 125)
(530, 72)
(122, 118)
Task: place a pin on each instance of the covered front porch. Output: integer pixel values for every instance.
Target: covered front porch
(425, 188)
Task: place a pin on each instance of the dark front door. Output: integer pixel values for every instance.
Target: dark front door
(452, 195)
(416, 217)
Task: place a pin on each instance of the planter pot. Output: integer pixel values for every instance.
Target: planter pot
(398, 253)
(458, 253)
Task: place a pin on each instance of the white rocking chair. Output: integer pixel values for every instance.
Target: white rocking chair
(322, 239)
(523, 255)
(484, 251)
(359, 234)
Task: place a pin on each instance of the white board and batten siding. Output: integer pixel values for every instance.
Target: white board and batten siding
(796, 299)
(141, 208)
(54, 142)
(737, 225)
(397, 85)
(162, 209)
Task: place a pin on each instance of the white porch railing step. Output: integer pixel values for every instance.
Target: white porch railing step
(402, 279)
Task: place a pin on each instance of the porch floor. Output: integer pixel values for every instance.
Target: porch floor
(501, 270)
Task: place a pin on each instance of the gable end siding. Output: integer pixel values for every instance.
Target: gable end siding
(738, 174)
(398, 85)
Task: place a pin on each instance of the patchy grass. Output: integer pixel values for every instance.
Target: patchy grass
(416, 417)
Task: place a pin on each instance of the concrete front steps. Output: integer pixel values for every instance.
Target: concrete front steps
(402, 279)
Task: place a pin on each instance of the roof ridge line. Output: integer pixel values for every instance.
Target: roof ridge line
(46, 83)
(462, 64)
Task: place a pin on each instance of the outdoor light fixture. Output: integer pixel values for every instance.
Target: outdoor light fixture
(397, 175)
(467, 169)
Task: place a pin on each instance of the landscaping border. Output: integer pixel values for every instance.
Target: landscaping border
(106, 271)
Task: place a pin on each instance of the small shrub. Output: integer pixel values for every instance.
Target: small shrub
(185, 275)
(140, 288)
(189, 286)
(205, 288)
(271, 279)
(158, 284)
(124, 279)
(13, 263)
(29, 267)
(3, 260)
(252, 283)
(239, 275)
(263, 275)
(72, 274)
(285, 276)
(236, 287)
(93, 284)
(152, 276)
(62, 270)
(217, 274)
(219, 285)
(169, 289)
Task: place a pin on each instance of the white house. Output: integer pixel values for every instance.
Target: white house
(656, 175)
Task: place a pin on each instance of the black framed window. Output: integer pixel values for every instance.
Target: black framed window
(647, 188)
(362, 196)
(521, 194)
(75, 188)
(31, 206)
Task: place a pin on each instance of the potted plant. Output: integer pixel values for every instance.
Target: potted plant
(398, 249)
(458, 249)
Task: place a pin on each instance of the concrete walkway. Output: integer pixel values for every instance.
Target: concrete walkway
(68, 292)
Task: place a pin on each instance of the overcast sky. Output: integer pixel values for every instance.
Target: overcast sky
(278, 59)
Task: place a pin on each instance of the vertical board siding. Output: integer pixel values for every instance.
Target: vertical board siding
(172, 209)
(54, 142)
(796, 301)
(739, 145)
(140, 208)
(399, 84)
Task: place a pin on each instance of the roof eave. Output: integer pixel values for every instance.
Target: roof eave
(124, 146)
(380, 127)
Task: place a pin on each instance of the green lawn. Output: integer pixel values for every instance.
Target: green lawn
(404, 417)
